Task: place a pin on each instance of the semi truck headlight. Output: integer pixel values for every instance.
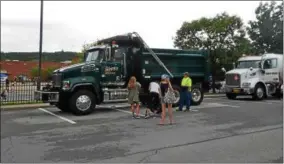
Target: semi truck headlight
(66, 85)
(246, 84)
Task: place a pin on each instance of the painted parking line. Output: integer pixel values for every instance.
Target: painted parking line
(60, 117)
(211, 105)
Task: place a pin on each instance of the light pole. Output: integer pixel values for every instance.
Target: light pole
(40, 45)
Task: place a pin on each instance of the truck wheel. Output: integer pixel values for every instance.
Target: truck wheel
(259, 92)
(196, 96)
(82, 102)
(63, 106)
(177, 94)
(231, 96)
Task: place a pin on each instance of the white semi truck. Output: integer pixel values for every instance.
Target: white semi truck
(258, 76)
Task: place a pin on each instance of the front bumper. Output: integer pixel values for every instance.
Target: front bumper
(239, 91)
(46, 96)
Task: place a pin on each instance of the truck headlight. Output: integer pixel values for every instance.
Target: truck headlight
(66, 85)
(245, 84)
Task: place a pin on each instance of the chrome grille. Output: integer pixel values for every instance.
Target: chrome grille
(230, 79)
(56, 79)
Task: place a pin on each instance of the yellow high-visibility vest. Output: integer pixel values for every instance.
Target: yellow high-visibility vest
(186, 82)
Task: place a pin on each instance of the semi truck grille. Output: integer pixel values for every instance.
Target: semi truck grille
(233, 79)
(56, 79)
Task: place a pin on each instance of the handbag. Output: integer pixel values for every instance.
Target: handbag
(170, 96)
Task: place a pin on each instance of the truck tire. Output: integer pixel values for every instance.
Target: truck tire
(177, 94)
(63, 103)
(231, 96)
(82, 102)
(259, 92)
(63, 106)
(196, 96)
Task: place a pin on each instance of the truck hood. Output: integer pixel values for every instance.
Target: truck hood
(71, 67)
(242, 71)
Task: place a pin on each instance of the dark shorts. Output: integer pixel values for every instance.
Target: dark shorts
(153, 101)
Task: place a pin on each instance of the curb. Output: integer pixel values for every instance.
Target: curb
(24, 106)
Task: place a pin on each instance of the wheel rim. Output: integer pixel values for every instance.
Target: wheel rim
(177, 96)
(259, 92)
(196, 95)
(83, 102)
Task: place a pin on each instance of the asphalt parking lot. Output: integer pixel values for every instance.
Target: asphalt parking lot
(219, 130)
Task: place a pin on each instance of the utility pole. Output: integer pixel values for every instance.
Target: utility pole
(40, 45)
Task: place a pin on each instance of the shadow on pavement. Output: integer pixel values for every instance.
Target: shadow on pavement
(97, 111)
(250, 99)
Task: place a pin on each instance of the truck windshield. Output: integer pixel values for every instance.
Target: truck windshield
(93, 55)
(248, 64)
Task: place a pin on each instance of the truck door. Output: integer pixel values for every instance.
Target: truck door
(111, 70)
(271, 71)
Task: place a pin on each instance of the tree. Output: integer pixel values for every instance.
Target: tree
(46, 74)
(218, 35)
(266, 32)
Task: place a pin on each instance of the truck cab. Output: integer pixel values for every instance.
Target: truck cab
(258, 76)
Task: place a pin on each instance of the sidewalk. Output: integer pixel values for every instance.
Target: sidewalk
(108, 105)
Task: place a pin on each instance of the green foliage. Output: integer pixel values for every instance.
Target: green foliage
(266, 32)
(34, 72)
(223, 36)
(79, 58)
(46, 74)
(219, 32)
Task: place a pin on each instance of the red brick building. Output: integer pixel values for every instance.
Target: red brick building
(16, 68)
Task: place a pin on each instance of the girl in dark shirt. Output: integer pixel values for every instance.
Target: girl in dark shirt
(165, 85)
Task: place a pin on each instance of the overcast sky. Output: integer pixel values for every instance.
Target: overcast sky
(70, 24)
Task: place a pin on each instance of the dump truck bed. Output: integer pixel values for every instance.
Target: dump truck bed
(177, 61)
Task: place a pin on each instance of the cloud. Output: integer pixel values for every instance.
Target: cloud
(69, 24)
(21, 35)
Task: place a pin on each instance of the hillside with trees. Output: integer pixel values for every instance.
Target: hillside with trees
(33, 56)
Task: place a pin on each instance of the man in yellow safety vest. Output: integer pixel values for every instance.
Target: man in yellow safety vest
(185, 93)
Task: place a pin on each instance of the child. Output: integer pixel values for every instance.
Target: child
(4, 94)
(133, 96)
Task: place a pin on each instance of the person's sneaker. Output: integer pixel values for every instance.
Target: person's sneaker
(187, 110)
(147, 116)
(137, 117)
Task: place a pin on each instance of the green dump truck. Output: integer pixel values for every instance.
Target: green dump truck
(107, 67)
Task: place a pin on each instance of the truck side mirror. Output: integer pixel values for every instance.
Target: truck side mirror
(223, 69)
